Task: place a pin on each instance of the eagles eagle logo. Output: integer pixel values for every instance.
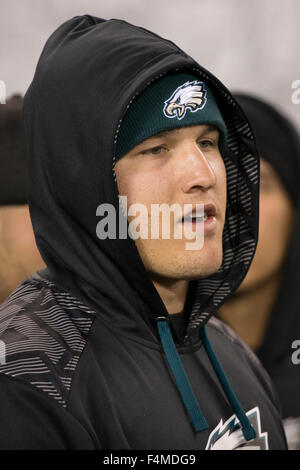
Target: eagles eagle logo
(190, 95)
(229, 435)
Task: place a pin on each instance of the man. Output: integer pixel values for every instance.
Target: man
(264, 311)
(93, 357)
(19, 256)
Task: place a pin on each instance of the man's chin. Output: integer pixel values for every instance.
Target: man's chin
(204, 266)
(191, 273)
(203, 273)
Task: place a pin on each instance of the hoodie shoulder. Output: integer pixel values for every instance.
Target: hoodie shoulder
(230, 334)
(43, 331)
(241, 348)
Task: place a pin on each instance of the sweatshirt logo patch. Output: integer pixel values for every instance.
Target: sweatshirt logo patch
(189, 96)
(229, 435)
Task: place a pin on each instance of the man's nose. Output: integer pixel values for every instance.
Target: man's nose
(197, 171)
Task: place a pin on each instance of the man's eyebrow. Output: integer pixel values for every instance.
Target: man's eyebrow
(210, 128)
(163, 134)
(207, 128)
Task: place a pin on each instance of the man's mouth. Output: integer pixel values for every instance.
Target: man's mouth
(200, 215)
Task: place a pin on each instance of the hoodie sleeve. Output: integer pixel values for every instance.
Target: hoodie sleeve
(33, 421)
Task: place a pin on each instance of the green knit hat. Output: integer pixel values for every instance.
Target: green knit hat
(175, 100)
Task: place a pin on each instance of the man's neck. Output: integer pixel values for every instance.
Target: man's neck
(172, 292)
(248, 312)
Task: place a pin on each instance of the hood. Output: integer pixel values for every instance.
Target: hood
(278, 142)
(89, 72)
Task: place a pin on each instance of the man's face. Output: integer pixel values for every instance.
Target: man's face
(182, 166)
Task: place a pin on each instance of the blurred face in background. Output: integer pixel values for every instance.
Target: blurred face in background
(276, 221)
(19, 256)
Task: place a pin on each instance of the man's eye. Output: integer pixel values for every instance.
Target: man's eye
(205, 143)
(154, 150)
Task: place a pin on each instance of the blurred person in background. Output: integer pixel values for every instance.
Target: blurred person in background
(19, 256)
(265, 309)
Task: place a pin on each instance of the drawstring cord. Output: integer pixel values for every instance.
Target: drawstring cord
(248, 430)
(185, 389)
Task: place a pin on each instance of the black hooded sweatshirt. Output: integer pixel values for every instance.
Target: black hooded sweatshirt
(88, 357)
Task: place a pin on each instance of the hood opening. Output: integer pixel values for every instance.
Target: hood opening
(241, 227)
